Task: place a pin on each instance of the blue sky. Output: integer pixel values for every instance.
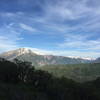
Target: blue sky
(60, 27)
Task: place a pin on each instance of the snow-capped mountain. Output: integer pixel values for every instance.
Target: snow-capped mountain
(38, 59)
(85, 58)
(15, 53)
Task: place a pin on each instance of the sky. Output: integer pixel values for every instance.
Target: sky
(59, 27)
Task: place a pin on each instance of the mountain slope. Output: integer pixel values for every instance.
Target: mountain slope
(15, 53)
(97, 60)
(40, 60)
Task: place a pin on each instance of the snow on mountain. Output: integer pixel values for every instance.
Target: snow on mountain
(85, 58)
(22, 51)
(15, 53)
(41, 58)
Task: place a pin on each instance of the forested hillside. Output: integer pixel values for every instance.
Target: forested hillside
(20, 81)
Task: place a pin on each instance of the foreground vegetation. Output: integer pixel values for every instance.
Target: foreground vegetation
(77, 72)
(20, 81)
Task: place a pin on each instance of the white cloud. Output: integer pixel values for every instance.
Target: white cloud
(9, 38)
(64, 13)
(27, 27)
(7, 14)
(11, 14)
(69, 53)
(80, 42)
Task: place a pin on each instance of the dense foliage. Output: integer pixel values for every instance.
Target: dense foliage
(20, 81)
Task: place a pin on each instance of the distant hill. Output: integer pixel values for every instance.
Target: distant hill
(41, 60)
(77, 72)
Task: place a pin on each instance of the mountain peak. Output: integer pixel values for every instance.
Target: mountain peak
(24, 50)
(15, 53)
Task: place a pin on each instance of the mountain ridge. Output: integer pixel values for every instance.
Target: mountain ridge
(39, 59)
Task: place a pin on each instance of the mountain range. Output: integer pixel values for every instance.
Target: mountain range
(38, 59)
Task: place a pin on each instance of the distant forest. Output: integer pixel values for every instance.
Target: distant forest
(20, 80)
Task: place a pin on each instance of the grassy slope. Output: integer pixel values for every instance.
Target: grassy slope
(77, 72)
